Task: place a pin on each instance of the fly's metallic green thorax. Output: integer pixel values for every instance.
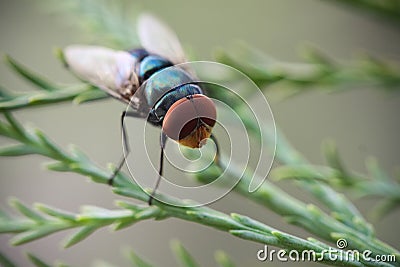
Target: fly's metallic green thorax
(150, 65)
(161, 84)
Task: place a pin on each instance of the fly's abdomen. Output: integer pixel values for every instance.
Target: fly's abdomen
(139, 54)
(150, 65)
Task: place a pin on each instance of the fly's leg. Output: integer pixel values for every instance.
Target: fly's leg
(163, 140)
(125, 143)
(217, 154)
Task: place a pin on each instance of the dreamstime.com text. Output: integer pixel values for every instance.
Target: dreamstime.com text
(331, 254)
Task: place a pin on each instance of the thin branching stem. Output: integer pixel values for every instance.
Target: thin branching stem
(94, 218)
(343, 220)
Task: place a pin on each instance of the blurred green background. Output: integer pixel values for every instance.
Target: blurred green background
(363, 121)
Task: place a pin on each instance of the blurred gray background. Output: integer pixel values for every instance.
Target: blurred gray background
(363, 122)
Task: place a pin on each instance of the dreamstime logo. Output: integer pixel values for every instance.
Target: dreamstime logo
(341, 243)
(229, 89)
(330, 254)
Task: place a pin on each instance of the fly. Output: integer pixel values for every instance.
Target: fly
(148, 80)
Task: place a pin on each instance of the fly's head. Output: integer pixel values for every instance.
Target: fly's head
(190, 120)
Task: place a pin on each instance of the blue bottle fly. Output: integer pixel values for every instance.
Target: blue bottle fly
(152, 83)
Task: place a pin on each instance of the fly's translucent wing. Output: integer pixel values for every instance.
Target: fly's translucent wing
(110, 70)
(159, 39)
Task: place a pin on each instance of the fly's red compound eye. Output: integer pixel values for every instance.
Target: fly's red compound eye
(183, 116)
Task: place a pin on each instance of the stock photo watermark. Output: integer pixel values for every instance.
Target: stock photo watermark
(332, 254)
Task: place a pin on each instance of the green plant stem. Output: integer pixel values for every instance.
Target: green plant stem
(93, 218)
(115, 20)
(319, 71)
(50, 93)
(287, 155)
(4, 261)
(345, 221)
(387, 9)
(36, 142)
(309, 216)
(386, 189)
